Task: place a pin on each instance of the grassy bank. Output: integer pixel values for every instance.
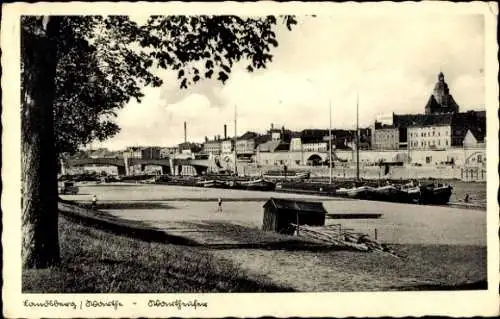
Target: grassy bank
(95, 261)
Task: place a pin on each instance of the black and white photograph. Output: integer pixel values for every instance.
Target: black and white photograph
(168, 160)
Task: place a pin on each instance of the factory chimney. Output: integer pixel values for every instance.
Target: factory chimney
(225, 131)
(185, 132)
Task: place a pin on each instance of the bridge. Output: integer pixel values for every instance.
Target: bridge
(169, 165)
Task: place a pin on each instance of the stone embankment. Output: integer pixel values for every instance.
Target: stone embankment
(370, 172)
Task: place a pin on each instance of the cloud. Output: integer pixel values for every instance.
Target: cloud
(390, 61)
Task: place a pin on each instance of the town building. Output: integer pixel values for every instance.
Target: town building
(474, 139)
(441, 127)
(282, 134)
(212, 147)
(475, 121)
(189, 148)
(296, 143)
(429, 131)
(272, 146)
(441, 101)
(245, 144)
(166, 152)
(385, 137)
(227, 146)
(150, 152)
(133, 152)
(313, 140)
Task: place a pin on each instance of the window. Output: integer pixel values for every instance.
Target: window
(433, 133)
(439, 142)
(428, 159)
(479, 158)
(297, 162)
(439, 133)
(446, 142)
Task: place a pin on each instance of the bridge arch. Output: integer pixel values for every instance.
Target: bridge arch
(315, 159)
(476, 158)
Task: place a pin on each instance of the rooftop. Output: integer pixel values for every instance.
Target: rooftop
(418, 120)
(295, 205)
(269, 146)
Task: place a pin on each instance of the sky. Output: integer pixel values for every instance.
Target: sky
(390, 62)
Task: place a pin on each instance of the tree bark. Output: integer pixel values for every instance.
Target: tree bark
(40, 242)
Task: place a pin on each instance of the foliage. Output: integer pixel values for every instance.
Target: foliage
(97, 74)
(104, 62)
(213, 43)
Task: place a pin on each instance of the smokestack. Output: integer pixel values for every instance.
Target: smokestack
(225, 131)
(185, 132)
(272, 126)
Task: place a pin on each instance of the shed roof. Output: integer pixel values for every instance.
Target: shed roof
(288, 204)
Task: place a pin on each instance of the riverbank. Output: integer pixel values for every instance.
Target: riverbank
(445, 247)
(97, 261)
(100, 261)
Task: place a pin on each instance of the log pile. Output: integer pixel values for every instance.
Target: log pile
(337, 236)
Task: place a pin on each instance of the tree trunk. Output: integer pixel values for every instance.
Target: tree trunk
(40, 243)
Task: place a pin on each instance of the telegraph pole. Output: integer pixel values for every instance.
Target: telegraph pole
(357, 137)
(330, 139)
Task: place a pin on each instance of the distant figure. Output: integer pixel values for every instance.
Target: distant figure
(466, 199)
(219, 205)
(94, 201)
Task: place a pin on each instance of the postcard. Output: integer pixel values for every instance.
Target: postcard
(250, 159)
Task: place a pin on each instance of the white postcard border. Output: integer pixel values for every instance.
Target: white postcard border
(241, 304)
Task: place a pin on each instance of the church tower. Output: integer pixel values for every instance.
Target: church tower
(441, 101)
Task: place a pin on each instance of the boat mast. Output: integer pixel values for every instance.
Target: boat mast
(330, 139)
(235, 155)
(357, 137)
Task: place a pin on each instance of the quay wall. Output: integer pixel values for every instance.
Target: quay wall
(375, 172)
(458, 156)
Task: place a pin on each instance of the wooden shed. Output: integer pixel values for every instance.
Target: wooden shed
(280, 213)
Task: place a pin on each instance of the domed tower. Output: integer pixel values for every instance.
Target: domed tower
(441, 90)
(441, 101)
